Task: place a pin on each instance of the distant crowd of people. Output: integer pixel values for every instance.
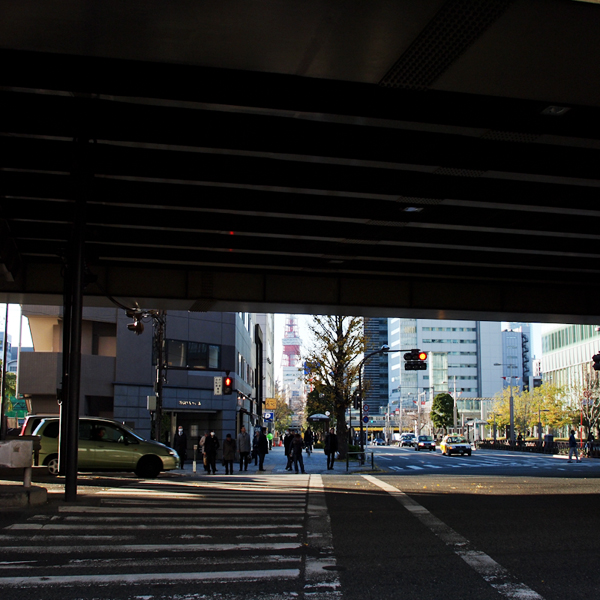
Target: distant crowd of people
(244, 449)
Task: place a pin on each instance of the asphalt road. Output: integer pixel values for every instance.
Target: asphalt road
(407, 461)
(521, 527)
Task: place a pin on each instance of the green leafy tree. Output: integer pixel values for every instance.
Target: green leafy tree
(332, 365)
(547, 403)
(442, 411)
(11, 384)
(320, 403)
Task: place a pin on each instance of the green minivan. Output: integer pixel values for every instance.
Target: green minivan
(107, 445)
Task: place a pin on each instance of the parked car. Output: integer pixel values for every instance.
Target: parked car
(32, 421)
(107, 445)
(425, 442)
(455, 444)
(408, 439)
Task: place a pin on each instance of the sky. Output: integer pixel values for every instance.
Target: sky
(14, 324)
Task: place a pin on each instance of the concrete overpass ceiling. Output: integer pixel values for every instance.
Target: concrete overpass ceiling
(409, 157)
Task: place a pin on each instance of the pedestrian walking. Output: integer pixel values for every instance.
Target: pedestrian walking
(244, 446)
(296, 451)
(270, 440)
(201, 443)
(228, 454)
(211, 445)
(287, 442)
(255, 446)
(262, 448)
(308, 440)
(331, 447)
(573, 447)
(589, 445)
(180, 445)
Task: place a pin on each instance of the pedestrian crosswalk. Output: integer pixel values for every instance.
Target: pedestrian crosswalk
(264, 537)
(473, 462)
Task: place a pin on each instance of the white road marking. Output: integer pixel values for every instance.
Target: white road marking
(149, 510)
(491, 571)
(151, 527)
(320, 579)
(138, 578)
(149, 548)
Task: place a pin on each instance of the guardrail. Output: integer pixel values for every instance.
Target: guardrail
(361, 459)
(556, 447)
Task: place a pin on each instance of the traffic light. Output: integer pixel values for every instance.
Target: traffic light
(596, 359)
(227, 386)
(356, 400)
(415, 360)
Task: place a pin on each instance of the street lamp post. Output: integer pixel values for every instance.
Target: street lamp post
(511, 431)
(539, 424)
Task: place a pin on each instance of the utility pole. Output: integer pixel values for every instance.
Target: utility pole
(159, 324)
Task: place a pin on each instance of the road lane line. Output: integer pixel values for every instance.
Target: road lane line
(491, 571)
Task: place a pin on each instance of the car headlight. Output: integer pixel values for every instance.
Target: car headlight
(172, 452)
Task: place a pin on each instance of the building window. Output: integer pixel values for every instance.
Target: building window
(192, 355)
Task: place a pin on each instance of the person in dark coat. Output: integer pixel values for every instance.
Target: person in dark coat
(296, 451)
(244, 445)
(331, 447)
(211, 445)
(228, 454)
(180, 445)
(255, 447)
(262, 448)
(287, 442)
(308, 440)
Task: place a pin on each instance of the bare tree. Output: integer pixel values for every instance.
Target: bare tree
(332, 365)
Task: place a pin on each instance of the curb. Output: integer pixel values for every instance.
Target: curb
(18, 496)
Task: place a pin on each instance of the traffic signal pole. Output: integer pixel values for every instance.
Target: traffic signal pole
(414, 360)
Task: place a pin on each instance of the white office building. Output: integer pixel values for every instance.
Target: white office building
(567, 352)
(465, 359)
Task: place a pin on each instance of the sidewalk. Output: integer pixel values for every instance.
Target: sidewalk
(275, 463)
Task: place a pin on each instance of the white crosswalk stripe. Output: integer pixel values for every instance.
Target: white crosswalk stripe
(274, 537)
(475, 462)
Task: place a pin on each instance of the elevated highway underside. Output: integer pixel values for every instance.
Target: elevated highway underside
(419, 158)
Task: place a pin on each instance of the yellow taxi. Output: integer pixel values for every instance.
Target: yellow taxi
(455, 444)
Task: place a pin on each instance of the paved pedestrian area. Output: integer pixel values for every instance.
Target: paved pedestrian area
(276, 461)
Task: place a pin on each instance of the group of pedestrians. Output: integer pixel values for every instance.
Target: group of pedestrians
(209, 444)
(294, 444)
(256, 448)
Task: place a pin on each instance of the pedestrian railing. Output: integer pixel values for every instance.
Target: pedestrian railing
(361, 457)
(556, 447)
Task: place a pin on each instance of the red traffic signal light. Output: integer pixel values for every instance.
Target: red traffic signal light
(415, 360)
(227, 386)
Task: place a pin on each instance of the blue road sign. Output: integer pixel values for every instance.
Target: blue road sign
(365, 419)
(268, 416)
